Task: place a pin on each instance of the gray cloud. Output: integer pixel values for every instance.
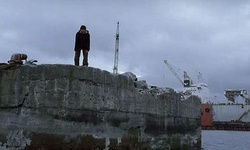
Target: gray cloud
(196, 36)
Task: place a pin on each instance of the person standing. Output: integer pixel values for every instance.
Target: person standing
(82, 43)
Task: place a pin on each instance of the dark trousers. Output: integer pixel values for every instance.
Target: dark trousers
(85, 57)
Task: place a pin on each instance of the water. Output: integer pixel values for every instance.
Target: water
(225, 140)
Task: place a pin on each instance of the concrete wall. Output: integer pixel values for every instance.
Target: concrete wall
(69, 107)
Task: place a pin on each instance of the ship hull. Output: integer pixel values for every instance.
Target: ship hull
(225, 117)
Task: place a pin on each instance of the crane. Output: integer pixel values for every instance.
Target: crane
(187, 82)
(232, 94)
(172, 70)
(115, 69)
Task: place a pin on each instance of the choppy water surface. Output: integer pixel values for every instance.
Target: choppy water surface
(225, 140)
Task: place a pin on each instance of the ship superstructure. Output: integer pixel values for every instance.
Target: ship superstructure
(200, 89)
(189, 88)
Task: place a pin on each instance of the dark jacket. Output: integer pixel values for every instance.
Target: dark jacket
(82, 40)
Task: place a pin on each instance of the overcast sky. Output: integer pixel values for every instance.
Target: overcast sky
(211, 37)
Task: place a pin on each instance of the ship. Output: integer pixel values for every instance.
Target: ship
(232, 115)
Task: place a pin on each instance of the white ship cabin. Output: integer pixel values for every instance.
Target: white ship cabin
(201, 90)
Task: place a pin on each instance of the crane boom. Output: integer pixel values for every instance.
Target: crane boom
(115, 69)
(172, 70)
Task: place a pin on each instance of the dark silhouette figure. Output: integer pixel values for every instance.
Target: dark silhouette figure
(82, 43)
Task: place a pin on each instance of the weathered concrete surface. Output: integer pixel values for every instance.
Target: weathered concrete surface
(69, 107)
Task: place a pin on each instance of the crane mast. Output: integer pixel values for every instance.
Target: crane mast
(115, 69)
(172, 70)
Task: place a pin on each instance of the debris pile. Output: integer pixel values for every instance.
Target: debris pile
(16, 61)
(143, 87)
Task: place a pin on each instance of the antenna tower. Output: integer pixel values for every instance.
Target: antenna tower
(115, 70)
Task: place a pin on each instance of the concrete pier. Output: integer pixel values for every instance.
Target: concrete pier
(70, 107)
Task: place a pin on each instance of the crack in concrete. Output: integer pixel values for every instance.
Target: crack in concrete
(19, 105)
